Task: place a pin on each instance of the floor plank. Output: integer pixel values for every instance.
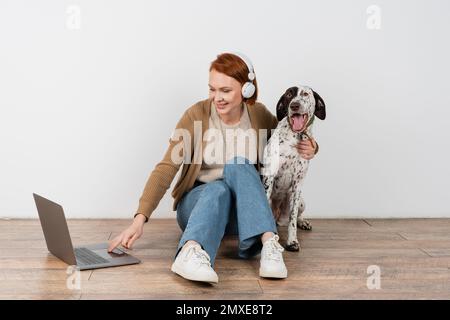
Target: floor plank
(413, 256)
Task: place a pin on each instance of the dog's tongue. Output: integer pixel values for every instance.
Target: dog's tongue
(297, 122)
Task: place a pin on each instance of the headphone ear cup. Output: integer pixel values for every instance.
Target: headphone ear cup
(248, 90)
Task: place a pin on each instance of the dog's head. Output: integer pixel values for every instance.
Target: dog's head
(300, 105)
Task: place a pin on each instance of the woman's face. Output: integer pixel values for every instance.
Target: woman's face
(225, 91)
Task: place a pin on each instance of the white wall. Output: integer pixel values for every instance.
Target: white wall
(86, 113)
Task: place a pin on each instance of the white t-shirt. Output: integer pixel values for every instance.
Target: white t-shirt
(240, 140)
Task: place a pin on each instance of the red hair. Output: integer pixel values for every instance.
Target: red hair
(235, 67)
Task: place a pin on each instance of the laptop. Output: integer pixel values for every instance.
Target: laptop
(59, 243)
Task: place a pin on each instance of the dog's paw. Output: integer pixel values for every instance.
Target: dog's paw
(304, 225)
(292, 246)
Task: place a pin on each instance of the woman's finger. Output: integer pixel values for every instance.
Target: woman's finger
(125, 240)
(132, 240)
(305, 148)
(130, 237)
(114, 243)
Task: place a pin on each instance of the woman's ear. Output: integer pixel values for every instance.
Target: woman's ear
(319, 111)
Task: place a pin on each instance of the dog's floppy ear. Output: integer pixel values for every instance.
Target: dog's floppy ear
(281, 108)
(319, 111)
(283, 104)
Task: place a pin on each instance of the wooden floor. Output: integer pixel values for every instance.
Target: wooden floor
(413, 256)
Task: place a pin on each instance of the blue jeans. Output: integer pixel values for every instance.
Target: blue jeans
(235, 205)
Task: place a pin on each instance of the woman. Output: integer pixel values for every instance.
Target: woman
(214, 198)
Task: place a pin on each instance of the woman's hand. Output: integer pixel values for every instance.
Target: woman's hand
(129, 235)
(307, 148)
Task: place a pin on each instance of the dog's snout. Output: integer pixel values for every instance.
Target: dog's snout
(295, 106)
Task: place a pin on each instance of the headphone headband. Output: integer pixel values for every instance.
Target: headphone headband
(251, 75)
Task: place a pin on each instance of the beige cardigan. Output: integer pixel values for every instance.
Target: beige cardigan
(164, 172)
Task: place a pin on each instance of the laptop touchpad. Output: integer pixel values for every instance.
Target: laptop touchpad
(116, 252)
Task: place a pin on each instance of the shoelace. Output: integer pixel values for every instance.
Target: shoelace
(199, 255)
(274, 249)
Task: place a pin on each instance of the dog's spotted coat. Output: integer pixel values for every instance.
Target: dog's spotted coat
(284, 169)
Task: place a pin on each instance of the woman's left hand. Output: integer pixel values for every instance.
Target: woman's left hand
(307, 148)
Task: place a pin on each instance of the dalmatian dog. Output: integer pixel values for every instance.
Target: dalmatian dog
(284, 169)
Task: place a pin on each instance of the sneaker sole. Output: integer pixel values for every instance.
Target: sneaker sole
(175, 269)
(272, 275)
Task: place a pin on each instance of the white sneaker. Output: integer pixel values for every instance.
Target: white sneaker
(272, 264)
(193, 263)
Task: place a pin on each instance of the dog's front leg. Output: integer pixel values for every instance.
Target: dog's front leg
(268, 186)
(301, 222)
(292, 241)
(268, 173)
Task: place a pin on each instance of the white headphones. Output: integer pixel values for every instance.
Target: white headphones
(248, 89)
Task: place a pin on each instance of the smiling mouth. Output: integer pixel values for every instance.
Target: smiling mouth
(298, 121)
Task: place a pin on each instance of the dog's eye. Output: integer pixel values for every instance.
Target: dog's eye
(289, 95)
(304, 93)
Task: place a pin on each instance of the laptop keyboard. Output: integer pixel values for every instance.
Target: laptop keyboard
(87, 257)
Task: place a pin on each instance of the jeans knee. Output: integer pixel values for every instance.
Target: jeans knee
(219, 189)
